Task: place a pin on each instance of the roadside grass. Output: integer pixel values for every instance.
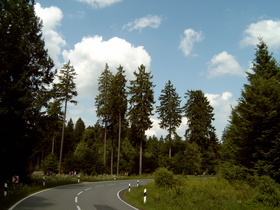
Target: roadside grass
(19, 191)
(198, 194)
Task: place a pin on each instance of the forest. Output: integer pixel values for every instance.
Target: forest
(35, 135)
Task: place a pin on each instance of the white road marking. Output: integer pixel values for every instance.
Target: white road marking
(80, 193)
(99, 186)
(88, 189)
(76, 199)
(124, 201)
(78, 207)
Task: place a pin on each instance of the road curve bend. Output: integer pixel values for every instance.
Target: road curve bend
(83, 196)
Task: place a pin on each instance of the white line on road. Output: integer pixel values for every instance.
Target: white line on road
(124, 201)
(80, 193)
(88, 189)
(76, 199)
(99, 186)
(78, 207)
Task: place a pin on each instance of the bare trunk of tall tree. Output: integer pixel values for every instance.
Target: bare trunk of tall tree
(119, 142)
(53, 138)
(170, 143)
(140, 157)
(62, 138)
(112, 157)
(105, 145)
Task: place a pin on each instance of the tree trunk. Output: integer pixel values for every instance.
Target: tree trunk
(105, 142)
(119, 143)
(62, 137)
(112, 157)
(140, 157)
(53, 138)
(170, 144)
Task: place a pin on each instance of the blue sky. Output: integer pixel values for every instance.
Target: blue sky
(196, 44)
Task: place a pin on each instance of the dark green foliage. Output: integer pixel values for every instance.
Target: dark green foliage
(25, 73)
(201, 131)
(169, 111)
(252, 138)
(50, 163)
(141, 106)
(163, 178)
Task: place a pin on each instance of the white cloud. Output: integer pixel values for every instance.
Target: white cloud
(269, 30)
(222, 109)
(100, 3)
(152, 21)
(224, 63)
(190, 37)
(91, 54)
(51, 17)
(157, 131)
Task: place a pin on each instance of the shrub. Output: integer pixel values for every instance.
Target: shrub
(163, 178)
(232, 172)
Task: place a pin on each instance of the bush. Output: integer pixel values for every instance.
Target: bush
(163, 178)
(233, 172)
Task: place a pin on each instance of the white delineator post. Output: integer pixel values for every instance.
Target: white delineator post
(145, 196)
(44, 183)
(137, 183)
(129, 187)
(78, 178)
(5, 189)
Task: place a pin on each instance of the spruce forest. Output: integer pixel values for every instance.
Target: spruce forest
(35, 134)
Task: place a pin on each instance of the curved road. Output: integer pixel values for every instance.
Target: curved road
(84, 196)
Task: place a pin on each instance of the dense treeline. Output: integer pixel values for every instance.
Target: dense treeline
(36, 136)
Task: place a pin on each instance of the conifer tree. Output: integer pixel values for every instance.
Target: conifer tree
(141, 106)
(118, 101)
(169, 111)
(102, 102)
(252, 137)
(25, 74)
(65, 90)
(200, 129)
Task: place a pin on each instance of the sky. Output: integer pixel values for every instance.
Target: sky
(196, 44)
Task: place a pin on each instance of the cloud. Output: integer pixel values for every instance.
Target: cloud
(152, 21)
(157, 131)
(100, 3)
(224, 63)
(51, 17)
(91, 54)
(269, 30)
(222, 104)
(190, 37)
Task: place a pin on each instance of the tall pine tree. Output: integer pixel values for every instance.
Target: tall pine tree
(102, 102)
(141, 106)
(253, 135)
(201, 131)
(169, 111)
(25, 73)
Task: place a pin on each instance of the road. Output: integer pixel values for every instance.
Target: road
(83, 196)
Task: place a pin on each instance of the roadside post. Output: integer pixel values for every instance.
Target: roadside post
(44, 181)
(129, 187)
(5, 189)
(145, 196)
(137, 183)
(78, 178)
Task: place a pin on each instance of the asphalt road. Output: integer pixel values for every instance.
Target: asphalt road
(83, 196)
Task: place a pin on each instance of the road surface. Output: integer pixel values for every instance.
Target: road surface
(83, 196)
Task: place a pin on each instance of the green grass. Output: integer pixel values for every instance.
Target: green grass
(18, 191)
(198, 194)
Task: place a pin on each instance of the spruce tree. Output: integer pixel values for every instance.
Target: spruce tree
(102, 102)
(25, 74)
(252, 137)
(200, 130)
(141, 106)
(169, 111)
(118, 101)
(65, 90)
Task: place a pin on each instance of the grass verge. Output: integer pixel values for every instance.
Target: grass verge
(198, 194)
